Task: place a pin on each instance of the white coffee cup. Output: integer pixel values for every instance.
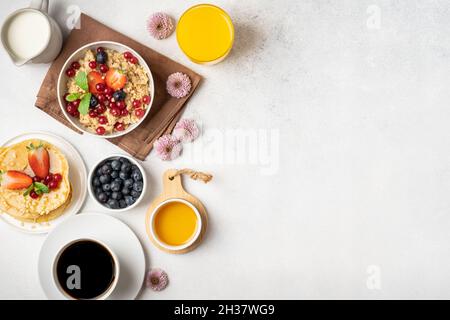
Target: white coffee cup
(112, 286)
(30, 35)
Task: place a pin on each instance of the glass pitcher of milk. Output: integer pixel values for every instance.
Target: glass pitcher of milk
(30, 35)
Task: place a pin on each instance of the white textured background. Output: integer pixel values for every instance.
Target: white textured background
(364, 174)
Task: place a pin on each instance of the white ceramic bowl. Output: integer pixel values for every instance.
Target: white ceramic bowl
(196, 233)
(133, 161)
(78, 54)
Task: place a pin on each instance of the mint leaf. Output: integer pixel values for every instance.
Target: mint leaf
(40, 188)
(27, 192)
(83, 108)
(81, 80)
(73, 96)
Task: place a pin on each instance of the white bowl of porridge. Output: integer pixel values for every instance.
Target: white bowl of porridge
(105, 89)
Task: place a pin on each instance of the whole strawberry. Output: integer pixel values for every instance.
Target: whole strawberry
(39, 160)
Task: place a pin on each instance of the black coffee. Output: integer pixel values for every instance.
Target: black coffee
(85, 269)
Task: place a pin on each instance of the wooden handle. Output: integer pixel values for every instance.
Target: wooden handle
(172, 185)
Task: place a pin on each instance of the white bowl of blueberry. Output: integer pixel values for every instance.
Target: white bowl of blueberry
(118, 182)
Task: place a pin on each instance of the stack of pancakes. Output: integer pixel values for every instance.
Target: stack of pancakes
(49, 205)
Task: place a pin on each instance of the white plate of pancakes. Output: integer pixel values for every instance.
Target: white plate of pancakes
(75, 181)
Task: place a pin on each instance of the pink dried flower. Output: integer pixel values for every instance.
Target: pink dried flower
(157, 279)
(178, 85)
(168, 147)
(186, 130)
(160, 25)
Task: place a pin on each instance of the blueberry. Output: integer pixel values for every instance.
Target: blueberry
(99, 172)
(129, 200)
(98, 190)
(124, 160)
(118, 180)
(128, 183)
(96, 182)
(138, 186)
(116, 195)
(116, 165)
(101, 57)
(115, 174)
(135, 194)
(113, 204)
(102, 197)
(119, 95)
(124, 175)
(106, 187)
(126, 167)
(122, 204)
(104, 179)
(93, 102)
(106, 169)
(115, 186)
(136, 175)
(125, 191)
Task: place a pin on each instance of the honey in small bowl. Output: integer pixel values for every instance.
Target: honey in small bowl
(176, 224)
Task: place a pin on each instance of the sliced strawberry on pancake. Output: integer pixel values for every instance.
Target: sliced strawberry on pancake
(39, 160)
(15, 180)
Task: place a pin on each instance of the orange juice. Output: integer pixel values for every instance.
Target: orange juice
(205, 34)
(175, 223)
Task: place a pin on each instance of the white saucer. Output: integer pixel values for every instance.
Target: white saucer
(111, 231)
(77, 176)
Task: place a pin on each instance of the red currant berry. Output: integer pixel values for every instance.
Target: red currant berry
(100, 130)
(119, 126)
(76, 114)
(75, 65)
(71, 109)
(101, 97)
(103, 68)
(100, 49)
(121, 104)
(33, 195)
(146, 99)
(70, 72)
(100, 87)
(102, 120)
(100, 109)
(115, 111)
(48, 179)
(92, 113)
(124, 112)
(36, 179)
(127, 55)
(133, 60)
(108, 91)
(57, 177)
(136, 103)
(92, 64)
(76, 103)
(53, 184)
(139, 113)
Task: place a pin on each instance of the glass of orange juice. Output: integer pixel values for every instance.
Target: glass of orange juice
(205, 34)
